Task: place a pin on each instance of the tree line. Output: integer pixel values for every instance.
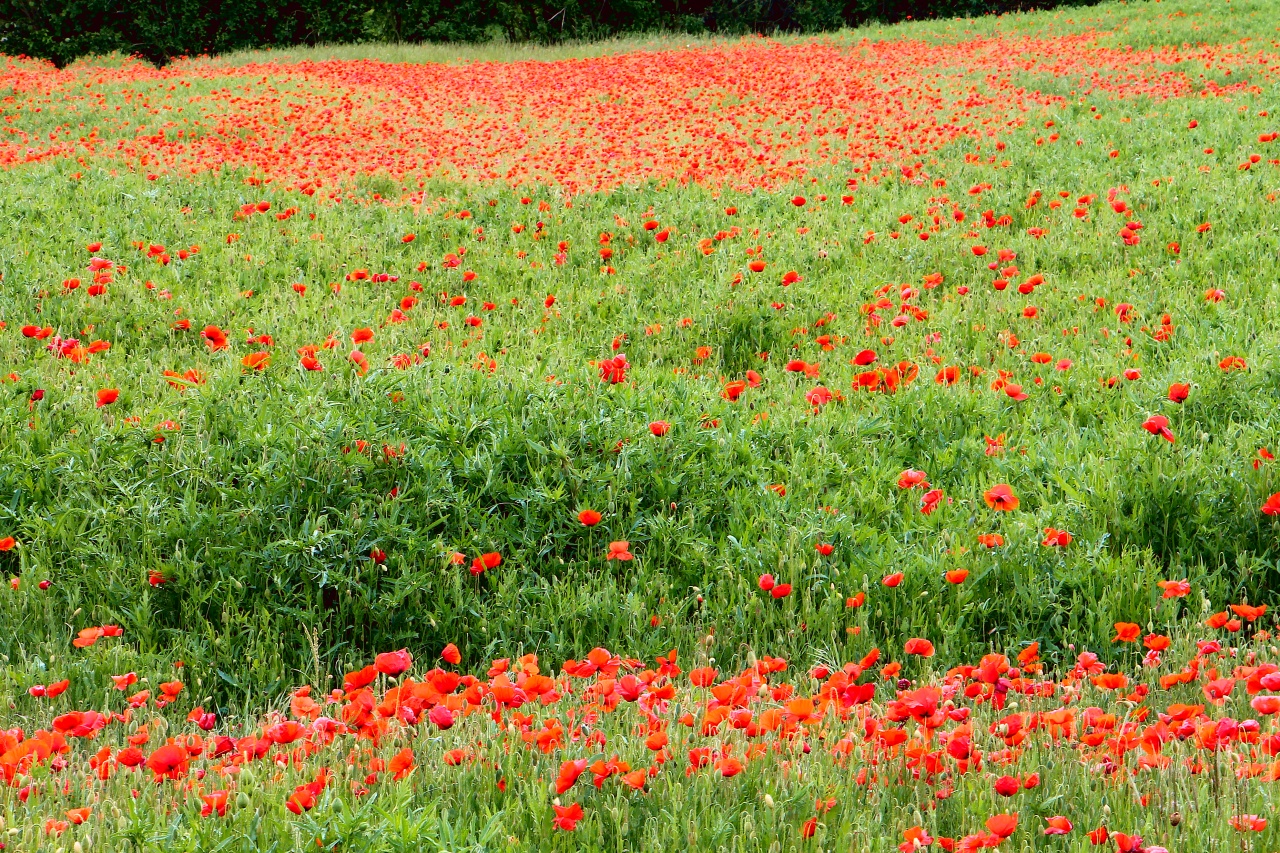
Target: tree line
(159, 30)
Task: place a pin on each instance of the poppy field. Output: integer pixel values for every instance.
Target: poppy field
(861, 442)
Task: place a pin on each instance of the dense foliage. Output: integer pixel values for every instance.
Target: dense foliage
(62, 30)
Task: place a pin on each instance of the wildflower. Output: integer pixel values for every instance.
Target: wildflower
(567, 817)
(485, 562)
(620, 551)
(918, 646)
(1054, 538)
(1057, 825)
(1158, 425)
(393, 663)
(1001, 498)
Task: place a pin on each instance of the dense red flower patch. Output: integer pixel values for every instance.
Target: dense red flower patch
(753, 114)
(1000, 723)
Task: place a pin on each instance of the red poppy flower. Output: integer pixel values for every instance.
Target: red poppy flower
(733, 390)
(1058, 825)
(485, 562)
(620, 551)
(1126, 632)
(393, 663)
(1054, 538)
(168, 762)
(917, 646)
(912, 478)
(215, 338)
(1158, 425)
(930, 500)
(214, 803)
(441, 717)
(451, 654)
(1002, 825)
(567, 817)
(256, 360)
(1001, 498)
(1007, 786)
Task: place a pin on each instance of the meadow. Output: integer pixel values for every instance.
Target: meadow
(861, 442)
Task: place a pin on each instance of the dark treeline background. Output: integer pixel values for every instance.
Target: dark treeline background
(62, 30)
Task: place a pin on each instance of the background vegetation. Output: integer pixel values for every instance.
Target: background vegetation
(62, 30)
